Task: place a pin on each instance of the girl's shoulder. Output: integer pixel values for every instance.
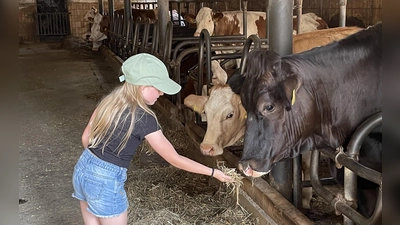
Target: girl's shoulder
(142, 114)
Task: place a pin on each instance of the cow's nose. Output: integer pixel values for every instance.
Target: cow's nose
(196, 34)
(206, 149)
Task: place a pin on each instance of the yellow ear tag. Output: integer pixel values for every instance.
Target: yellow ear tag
(195, 108)
(244, 116)
(294, 96)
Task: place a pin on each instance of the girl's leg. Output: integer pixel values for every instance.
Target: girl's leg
(122, 219)
(88, 218)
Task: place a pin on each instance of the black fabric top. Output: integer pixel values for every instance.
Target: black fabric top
(144, 125)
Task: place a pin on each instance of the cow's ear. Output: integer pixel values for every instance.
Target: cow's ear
(217, 16)
(291, 86)
(190, 18)
(195, 102)
(236, 81)
(219, 75)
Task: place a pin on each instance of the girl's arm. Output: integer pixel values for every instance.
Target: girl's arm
(164, 148)
(86, 132)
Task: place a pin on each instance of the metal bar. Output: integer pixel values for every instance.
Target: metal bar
(342, 13)
(336, 201)
(167, 41)
(245, 18)
(154, 39)
(353, 149)
(251, 39)
(163, 18)
(297, 175)
(101, 7)
(111, 11)
(356, 167)
(135, 39)
(145, 37)
(203, 39)
(128, 40)
(299, 12)
(280, 41)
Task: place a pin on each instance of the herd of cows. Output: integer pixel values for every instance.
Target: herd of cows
(289, 105)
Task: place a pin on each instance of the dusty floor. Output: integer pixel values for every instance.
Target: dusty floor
(59, 89)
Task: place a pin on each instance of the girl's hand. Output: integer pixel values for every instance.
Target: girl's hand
(221, 176)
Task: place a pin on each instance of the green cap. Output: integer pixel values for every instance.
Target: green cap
(148, 70)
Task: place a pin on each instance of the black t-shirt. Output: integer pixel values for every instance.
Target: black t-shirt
(144, 125)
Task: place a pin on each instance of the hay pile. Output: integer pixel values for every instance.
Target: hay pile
(166, 195)
(162, 194)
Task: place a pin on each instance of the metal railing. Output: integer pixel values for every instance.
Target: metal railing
(52, 24)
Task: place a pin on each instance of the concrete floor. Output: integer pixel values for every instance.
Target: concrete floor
(60, 85)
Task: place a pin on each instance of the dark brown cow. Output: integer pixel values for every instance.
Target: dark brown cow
(312, 100)
(226, 116)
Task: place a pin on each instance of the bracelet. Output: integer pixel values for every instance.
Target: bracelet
(212, 172)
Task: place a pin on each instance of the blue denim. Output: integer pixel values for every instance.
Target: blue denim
(101, 185)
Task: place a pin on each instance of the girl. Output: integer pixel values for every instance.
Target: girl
(119, 124)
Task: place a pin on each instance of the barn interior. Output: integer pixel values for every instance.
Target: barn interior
(49, 27)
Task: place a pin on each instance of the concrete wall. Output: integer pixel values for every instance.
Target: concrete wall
(27, 24)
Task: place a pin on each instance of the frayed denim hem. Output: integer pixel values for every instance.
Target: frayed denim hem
(111, 216)
(80, 199)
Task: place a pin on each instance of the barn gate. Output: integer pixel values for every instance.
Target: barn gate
(52, 19)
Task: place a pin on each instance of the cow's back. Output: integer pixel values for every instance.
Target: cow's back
(309, 40)
(344, 78)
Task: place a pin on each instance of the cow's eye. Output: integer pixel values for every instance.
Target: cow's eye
(269, 108)
(230, 115)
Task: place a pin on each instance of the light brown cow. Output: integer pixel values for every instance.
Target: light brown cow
(226, 116)
(231, 22)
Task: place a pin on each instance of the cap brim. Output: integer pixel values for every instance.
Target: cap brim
(169, 87)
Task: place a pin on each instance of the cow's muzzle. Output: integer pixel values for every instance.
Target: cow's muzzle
(248, 170)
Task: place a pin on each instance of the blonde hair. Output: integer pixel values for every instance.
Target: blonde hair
(126, 97)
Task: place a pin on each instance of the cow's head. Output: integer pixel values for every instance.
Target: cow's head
(225, 118)
(90, 14)
(276, 117)
(205, 19)
(224, 112)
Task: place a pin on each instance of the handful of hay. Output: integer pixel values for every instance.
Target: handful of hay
(236, 179)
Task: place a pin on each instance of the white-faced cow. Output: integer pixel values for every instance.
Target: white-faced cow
(96, 35)
(307, 101)
(226, 116)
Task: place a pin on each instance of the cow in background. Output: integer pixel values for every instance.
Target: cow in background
(311, 100)
(226, 115)
(101, 24)
(350, 21)
(96, 35)
(231, 22)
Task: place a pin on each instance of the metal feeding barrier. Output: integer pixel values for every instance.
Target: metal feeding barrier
(352, 169)
(52, 24)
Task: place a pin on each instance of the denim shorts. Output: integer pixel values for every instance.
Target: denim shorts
(101, 185)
